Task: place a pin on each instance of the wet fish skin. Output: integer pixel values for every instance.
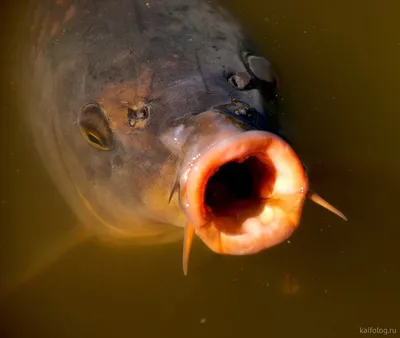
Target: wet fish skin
(99, 62)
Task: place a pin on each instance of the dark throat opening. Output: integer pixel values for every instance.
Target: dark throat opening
(235, 189)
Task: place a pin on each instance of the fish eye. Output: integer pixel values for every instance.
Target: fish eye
(95, 127)
(96, 140)
(239, 80)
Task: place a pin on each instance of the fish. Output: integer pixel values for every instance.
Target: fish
(157, 121)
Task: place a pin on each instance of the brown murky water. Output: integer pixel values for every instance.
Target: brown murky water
(339, 63)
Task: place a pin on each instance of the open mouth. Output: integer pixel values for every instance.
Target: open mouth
(238, 190)
(245, 193)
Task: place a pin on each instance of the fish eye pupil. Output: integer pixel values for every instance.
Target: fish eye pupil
(94, 139)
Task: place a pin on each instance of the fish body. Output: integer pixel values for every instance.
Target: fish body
(153, 119)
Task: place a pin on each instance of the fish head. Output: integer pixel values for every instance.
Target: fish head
(151, 158)
(116, 97)
(156, 134)
(240, 186)
(204, 137)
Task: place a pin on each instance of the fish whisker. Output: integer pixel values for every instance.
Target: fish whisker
(173, 190)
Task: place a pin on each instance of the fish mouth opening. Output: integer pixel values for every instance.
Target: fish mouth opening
(244, 193)
(237, 190)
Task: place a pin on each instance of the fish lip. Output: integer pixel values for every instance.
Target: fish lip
(286, 198)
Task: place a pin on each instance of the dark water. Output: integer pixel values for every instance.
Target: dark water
(339, 66)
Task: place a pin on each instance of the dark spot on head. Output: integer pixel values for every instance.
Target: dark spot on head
(117, 161)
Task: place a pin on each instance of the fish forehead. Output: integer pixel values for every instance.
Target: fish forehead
(129, 49)
(119, 53)
(165, 31)
(123, 53)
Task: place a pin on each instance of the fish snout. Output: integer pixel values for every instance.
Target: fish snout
(244, 194)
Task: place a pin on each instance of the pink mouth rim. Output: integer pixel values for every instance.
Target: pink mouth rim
(289, 191)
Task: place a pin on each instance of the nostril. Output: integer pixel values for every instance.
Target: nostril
(248, 113)
(136, 115)
(239, 80)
